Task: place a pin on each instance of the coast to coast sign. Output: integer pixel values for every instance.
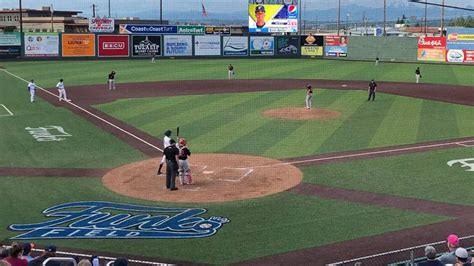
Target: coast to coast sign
(94, 220)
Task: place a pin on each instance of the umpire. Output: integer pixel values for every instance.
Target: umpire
(372, 89)
(171, 153)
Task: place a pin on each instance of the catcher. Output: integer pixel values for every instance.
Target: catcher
(184, 171)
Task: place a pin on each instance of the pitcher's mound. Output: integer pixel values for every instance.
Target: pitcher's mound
(216, 178)
(301, 113)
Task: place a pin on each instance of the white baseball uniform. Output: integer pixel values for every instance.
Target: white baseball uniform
(62, 91)
(166, 143)
(32, 89)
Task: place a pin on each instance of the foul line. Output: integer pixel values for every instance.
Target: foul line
(89, 113)
(460, 143)
(11, 114)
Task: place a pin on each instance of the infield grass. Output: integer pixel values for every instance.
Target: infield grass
(258, 227)
(233, 122)
(46, 73)
(421, 175)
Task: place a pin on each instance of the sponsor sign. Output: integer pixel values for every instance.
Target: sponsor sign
(262, 45)
(432, 49)
(108, 220)
(113, 45)
(432, 42)
(191, 30)
(178, 45)
(207, 45)
(147, 46)
(459, 45)
(147, 29)
(41, 44)
(287, 45)
(218, 30)
(78, 45)
(311, 45)
(277, 16)
(101, 24)
(48, 133)
(235, 46)
(10, 38)
(8, 52)
(336, 46)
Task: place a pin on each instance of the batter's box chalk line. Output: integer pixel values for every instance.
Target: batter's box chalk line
(232, 174)
(7, 110)
(467, 144)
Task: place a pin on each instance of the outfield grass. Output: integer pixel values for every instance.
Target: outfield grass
(95, 72)
(420, 175)
(89, 146)
(259, 227)
(233, 122)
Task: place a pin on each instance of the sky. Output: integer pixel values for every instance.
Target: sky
(123, 8)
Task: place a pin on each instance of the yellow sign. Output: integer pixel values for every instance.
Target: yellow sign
(312, 50)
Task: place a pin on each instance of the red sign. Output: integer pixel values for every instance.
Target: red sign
(113, 45)
(468, 56)
(432, 42)
(336, 40)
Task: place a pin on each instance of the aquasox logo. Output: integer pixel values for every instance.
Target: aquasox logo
(107, 220)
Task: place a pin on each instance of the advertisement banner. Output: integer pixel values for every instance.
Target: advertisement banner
(78, 45)
(218, 30)
(262, 45)
(459, 45)
(178, 45)
(279, 16)
(10, 38)
(469, 56)
(287, 45)
(10, 52)
(436, 55)
(147, 29)
(235, 46)
(191, 30)
(455, 56)
(113, 45)
(101, 24)
(207, 45)
(146, 46)
(432, 42)
(312, 45)
(336, 46)
(41, 44)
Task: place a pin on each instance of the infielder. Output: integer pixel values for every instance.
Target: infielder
(166, 143)
(372, 89)
(32, 90)
(112, 81)
(184, 153)
(309, 96)
(62, 91)
(231, 71)
(418, 74)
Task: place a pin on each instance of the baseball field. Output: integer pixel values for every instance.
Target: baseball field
(274, 183)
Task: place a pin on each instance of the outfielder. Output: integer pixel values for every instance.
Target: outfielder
(231, 71)
(417, 74)
(111, 81)
(62, 91)
(166, 143)
(32, 90)
(184, 172)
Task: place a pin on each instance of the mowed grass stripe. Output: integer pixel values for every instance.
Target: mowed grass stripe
(357, 131)
(438, 118)
(464, 116)
(304, 135)
(404, 118)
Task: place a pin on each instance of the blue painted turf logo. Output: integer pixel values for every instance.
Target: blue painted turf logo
(94, 219)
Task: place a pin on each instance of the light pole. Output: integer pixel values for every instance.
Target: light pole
(426, 12)
(161, 12)
(109, 8)
(347, 24)
(21, 18)
(384, 17)
(442, 18)
(338, 17)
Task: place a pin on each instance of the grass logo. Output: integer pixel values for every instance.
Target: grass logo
(94, 219)
(464, 163)
(48, 133)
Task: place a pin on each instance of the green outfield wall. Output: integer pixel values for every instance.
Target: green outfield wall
(402, 49)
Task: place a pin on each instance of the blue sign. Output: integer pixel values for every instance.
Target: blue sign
(147, 29)
(93, 219)
(460, 38)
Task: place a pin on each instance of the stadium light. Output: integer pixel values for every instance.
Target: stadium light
(338, 17)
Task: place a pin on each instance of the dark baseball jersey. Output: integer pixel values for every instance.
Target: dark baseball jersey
(185, 152)
(170, 153)
(372, 86)
(112, 76)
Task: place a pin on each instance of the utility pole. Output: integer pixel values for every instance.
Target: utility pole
(161, 12)
(442, 18)
(109, 8)
(21, 18)
(338, 17)
(384, 17)
(93, 10)
(426, 12)
(52, 22)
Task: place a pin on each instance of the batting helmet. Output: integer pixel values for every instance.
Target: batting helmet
(168, 132)
(182, 141)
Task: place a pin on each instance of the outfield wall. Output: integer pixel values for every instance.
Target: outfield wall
(105, 46)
